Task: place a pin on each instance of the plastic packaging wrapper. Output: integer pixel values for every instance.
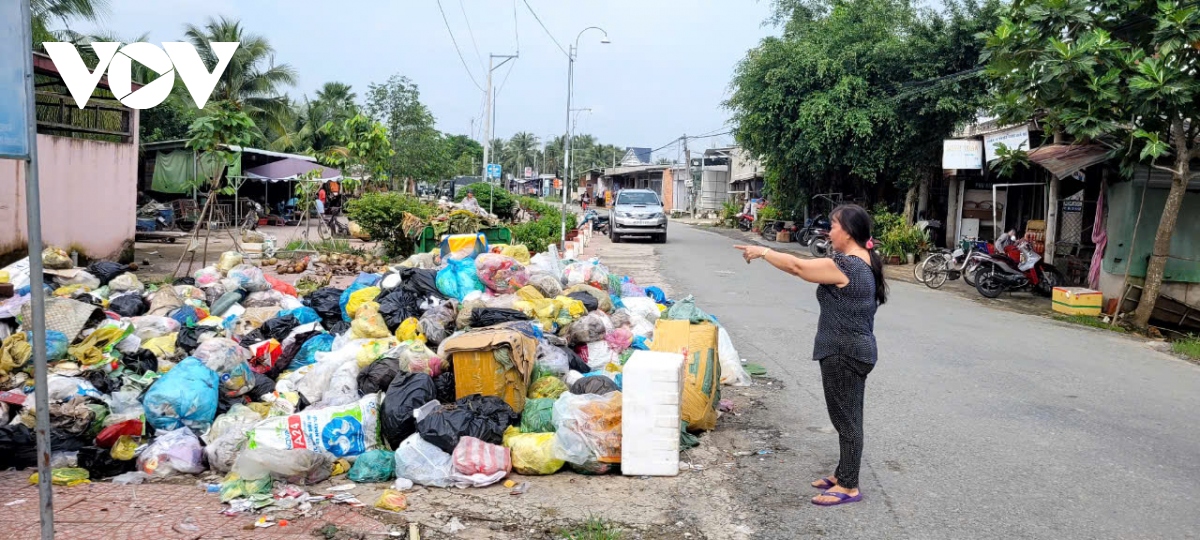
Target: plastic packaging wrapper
(500, 273)
(603, 300)
(423, 463)
(459, 278)
(302, 315)
(586, 273)
(227, 436)
(588, 329)
(538, 416)
(372, 467)
(249, 278)
(686, 310)
(264, 354)
(550, 286)
(618, 340)
(594, 384)
(152, 326)
(175, 451)
(415, 357)
(409, 329)
(438, 322)
(407, 392)
(343, 431)
(482, 417)
(236, 487)
(361, 297)
(308, 352)
(391, 501)
(64, 477)
(532, 453)
(548, 386)
(184, 396)
(478, 463)
(368, 323)
(732, 372)
(229, 360)
(295, 466)
(588, 428)
(188, 316)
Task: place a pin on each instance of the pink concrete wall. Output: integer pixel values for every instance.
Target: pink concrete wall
(89, 195)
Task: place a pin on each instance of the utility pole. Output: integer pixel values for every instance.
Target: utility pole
(687, 154)
(488, 98)
(567, 142)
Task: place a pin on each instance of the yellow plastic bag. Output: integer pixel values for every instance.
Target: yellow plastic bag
(125, 448)
(518, 252)
(66, 291)
(162, 347)
(545, 311)
(91, 351)
(368, 323)
(529, 293)
(547, 387)
(409, 330)
(392, 501)
(532, 453)
(574, 307)
(72, 476)
(340, 467)
(14, 352)
(360, 297)
(228, 260)
(263, 409)
(374, 350)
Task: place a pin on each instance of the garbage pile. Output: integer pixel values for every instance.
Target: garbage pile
(457, 374)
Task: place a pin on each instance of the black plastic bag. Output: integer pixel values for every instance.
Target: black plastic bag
(326, 301)
(340, 327)
(18, 445)
(407, 392)
(589, 302)
(185, 280)
(140, 362)
(103, 383)
(263, 385)
(446, 392)
(377, 376)
(576, 363)
(420, 281)
(188, 337)
(482, 417)
(99, 463)
(597, 384)
(277, 328)
(289, 353)
(484, 317)
(128, 305)
(397, 305)
(106, 270)
(224, 403)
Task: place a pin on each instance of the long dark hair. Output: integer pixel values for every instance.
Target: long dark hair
(857, 223)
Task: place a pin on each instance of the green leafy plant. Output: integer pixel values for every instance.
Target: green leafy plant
(537, 235)
(768, 213)
(1189, 347)
(495, 198)
(593, 529)
(380, 215)
(885, 221)
(729, 212)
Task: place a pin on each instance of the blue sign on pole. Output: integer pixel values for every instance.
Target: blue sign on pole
(493, 170)
(14, 129)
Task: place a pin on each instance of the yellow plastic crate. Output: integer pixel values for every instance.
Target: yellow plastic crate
(1077, 301)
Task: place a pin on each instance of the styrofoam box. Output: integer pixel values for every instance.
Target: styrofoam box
(651, 393)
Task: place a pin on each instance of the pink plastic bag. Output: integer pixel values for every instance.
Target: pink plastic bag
(619, 339)
(474, 456)
(501, 274)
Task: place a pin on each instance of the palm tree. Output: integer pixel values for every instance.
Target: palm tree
(523, 147)
(252, 81)
(338, 99)
(62, 11)
(498, 153)
(334, 103)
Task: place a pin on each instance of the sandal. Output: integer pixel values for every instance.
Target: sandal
(824, 483)
(842, 498)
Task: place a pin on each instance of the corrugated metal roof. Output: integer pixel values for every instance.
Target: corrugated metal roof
(1063, 160)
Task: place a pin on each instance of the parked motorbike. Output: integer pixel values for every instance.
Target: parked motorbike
(330, 227)
(812, 228)
(745, 221)
(599, 222)
(1019, 269)
(250, 221)
(820, 246)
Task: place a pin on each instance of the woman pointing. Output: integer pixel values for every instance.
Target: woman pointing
(851, 287)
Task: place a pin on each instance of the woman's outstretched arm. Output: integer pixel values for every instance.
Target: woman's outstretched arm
(821, 271)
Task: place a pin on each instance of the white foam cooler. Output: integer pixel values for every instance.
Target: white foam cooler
(651, 393)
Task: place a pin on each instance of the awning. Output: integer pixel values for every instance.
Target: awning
(290, 169)
(1063, 160)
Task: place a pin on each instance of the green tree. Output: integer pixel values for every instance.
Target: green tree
(466, 153)
(49, 13)
(359, 147)
(223, 126)
(523, 147)
(843, 100)
(334, 103)
(1115, 72)
(420, 148)
(253, 81)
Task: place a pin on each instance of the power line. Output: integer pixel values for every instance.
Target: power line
(540, 23)
(471, 33)
(457, 50)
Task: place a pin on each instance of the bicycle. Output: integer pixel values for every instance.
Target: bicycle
(330, 227)
(942, 267)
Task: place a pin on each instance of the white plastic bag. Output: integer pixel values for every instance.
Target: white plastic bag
(599, 355)
(732, 372)
(423, 463)
(552, 359)
(173, 452)
(227, 436)
(152, 326)
(316, 382)
(343, 431)
(297, 466)
(342, 387)
(643, 306)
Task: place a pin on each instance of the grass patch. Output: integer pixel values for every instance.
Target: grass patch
(336, 245)
(1189, 347)
(593, 529)
(1088, 320)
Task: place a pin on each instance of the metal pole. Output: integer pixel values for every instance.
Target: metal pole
(567, 146)
(33, 209)
(487, 118)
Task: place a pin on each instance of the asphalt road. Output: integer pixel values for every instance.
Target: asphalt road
(980, 423)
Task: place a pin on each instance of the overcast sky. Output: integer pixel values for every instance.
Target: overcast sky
(665, 73)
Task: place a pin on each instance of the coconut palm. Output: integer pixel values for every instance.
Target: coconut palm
(252, 82)
(523, 149)
(334, 103)
(51, 12)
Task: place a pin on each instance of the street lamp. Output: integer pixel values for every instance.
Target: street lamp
(567, 142)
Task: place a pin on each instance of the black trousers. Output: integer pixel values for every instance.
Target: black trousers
(844, 380)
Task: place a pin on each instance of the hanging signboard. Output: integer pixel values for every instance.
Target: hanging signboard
(1012, 139)
(14, 121)
(962, 154)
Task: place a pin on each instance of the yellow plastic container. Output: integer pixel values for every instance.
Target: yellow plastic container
(1077, 301)
(478, 372)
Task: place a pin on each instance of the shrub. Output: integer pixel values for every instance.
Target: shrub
(885, 221)
(504, 205)
(380, 215)
(729, 212)
(768, 213)
(539, 234)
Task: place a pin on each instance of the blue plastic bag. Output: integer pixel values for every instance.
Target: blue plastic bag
(639, 343)
(459, 278)
(56, 344)
(368, 280)
(303, 314)
(186, 396)
(308, 351)
(187, 316)
(346, 298)
(658, 295)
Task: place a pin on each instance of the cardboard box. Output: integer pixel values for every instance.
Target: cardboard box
(783, 236)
